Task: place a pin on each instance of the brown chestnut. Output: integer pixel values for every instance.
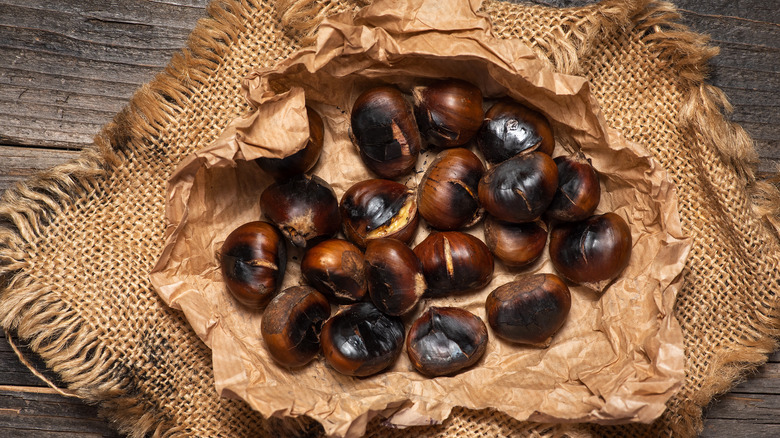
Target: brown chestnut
(253, 259)
(361, 341)
(454, 262)
(517, 245)
(449, 112)
(511, 128)
(519, 189)
(447, 195)
(335, 268)
(591, 252)
(302, 160)
(385, 132)
(394, 274)
(291, 325)
(304, 207)
(529, 310)
(378, 208)
(445, 340)
(578, 192)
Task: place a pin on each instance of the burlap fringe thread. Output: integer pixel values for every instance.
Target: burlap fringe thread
(57, 334)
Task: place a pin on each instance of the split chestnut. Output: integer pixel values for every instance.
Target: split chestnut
(449, 112)
(394, 274)
(378, 208)
(454, 262)
(335, 268)
(447, 194)
(517, 245)
(578, 192)
(509, 129)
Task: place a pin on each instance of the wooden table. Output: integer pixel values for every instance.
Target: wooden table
(68, 67)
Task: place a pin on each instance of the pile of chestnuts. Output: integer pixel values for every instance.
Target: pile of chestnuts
(510, 183)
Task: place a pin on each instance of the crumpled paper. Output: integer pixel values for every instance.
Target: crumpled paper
(618, 358)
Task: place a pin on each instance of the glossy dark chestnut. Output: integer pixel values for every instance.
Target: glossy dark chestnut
(447, 196)
(517, 245)
(335, 267)
(378, 208)
(394, 274)
(454, 262)
(449, 112)
(511, 128)
(302, 160)
(578, 192)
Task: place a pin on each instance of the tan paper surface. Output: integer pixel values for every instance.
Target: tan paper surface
(618, 358)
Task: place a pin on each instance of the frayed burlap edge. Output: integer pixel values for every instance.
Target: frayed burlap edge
(35, 315)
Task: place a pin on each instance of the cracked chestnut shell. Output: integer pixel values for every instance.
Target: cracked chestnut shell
(394, 274)
(454, 262)
(301, 161)
(253, 259)
(361, 341)
(377, 208)
(449, 112)
(578, 192)
(447, 196)
(291, 325)
(304, 208)
(516, 245)
(511, 128)
(335, 267)
(529, 310)
(445, 340)
(591, 252)
(519, 189)
(385, 132)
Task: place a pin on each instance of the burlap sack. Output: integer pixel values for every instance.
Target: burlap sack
(77, 242)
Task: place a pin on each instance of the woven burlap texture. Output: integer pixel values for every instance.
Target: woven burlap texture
(77, 242)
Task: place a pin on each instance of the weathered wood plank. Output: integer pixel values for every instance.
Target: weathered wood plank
(17, 163)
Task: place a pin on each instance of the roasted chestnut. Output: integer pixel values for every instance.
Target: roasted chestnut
(454, 262)
(304, 207)
(395, 278)
(578, 192)
(385, 132)
(517, 245)
(530, 309)
(304, 159)
(335, 267)
(519, 189)
(361, 341)
(447, 194)
(291, 325)
(445, 340)
(591, 252)
(449, 112)
(253, 259)
(510, 128)
(379, 208)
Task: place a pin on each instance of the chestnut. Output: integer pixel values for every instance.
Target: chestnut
(361, 341)
(591, 252)
(517, 245)
(578, 192)
(454, 262)
(302, 160)
(253, 259)
(379, 208)
(511, 128)
(335, 268)
(447, 194)
(529, 310)
(445, 340)
(519, 189)
(385, 132)
(291, 325)
(304, 207)
(394, 274)
(449, 112)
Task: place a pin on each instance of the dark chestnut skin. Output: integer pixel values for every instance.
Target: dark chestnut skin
(335, 267)
(516, 245)
(304, 208)
(591, 252)
(529, 310)
(291, 325)
(454, 262)
(385, 132)
(449, 112)
(253, 259)
(360, 340)
(445, 340)
(519, 189)
(301, 161)
(394, 274)
(378, 208)
(511, 128)
(578, 192)
(447, 194)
